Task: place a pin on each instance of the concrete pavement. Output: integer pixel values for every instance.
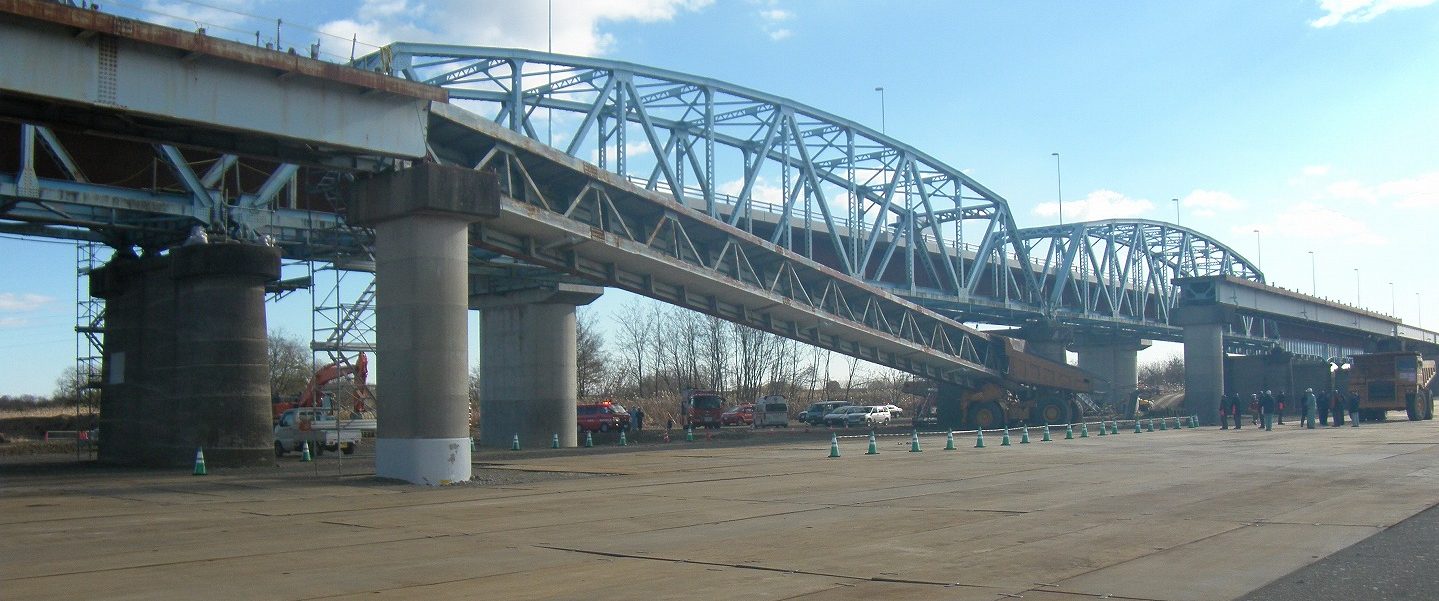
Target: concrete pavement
(1177, 515)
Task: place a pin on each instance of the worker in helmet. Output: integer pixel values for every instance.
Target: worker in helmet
(1266, 406)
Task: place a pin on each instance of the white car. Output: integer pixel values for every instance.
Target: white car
(894, 410)
(867, 416)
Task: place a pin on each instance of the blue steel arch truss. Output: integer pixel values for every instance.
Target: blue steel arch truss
(833, 190)
(821, 186)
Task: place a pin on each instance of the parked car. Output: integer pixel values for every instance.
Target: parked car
(739, 415)
(894, 410)
(602, 417)
(867, 416)
(814, 414)
(771, 410)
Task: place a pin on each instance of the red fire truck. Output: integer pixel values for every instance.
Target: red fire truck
(701, 408)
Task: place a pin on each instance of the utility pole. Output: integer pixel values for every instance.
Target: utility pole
(1176, 211)
(880, 89)
(1058, 186)
(1313, 279)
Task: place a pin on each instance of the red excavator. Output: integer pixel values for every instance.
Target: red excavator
(310, 397)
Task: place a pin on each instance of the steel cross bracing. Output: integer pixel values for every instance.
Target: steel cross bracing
(821, 186)
(569, 216)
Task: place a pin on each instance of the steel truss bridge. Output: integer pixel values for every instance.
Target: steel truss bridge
(700, 193)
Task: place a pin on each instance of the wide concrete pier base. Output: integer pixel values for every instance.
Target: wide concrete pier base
(185, 356)
(421, 218)
(528, 384)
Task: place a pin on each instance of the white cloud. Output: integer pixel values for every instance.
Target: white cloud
(1359, 11)
(19, 303)
(1310, 221)
(1416, 192)
(577, 23)
(1315, 170)
(1100, 204)
(1420, 191)
(762, 191)
(1208, 203)
(772, 22)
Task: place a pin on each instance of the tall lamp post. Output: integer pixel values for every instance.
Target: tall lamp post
(1357, 294)
(1419, 304)
(1176, 210)
(1258, 251)
(1393, 305)
(1313, 280)
(880, 89)
(1058, 186)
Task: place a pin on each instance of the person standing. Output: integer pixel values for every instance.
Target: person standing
(1279, 402)
(1311, 407)
(1340, 404)
(1322, 405)
(1255, 409)
(639, 419)
(1354, 409)
(1224, 410)
(1266, 408)
(1235, 410)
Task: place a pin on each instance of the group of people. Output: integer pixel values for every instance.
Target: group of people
(1265, 406)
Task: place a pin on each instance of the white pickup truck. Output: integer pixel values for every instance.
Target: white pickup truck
(319, 428)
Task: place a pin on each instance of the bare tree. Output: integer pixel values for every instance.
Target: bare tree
(590, 356)
(289, 360)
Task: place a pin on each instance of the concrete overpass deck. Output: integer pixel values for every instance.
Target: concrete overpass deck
(1178, 515)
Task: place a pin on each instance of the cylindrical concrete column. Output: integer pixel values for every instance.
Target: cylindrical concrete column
(1049, 349)
(527, 374)
(1116, 363)
(1203, 370)
(421, 296)
(221, 383)
(121, 284)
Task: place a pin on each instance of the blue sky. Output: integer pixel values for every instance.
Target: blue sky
(1313, 122)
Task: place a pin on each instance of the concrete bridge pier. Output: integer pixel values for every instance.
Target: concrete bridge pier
(421, 218)
(528, 378)
(185, 363)
(1048, 341)
(1115, 360)
(1203, 359)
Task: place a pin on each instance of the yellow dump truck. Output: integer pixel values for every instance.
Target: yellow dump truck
(1392, 382)
(1033, 391)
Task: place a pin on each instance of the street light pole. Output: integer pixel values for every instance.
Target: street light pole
(880, 89)
(1313, 280)
(1176, 211)
(1393, 306)
(1419, 304)
(1058, 186)
(1357, 295)
(1258, 251)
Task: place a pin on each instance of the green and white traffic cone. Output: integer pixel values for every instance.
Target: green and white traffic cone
(589, 440)
(979, 439)
(873, 447)
(1103, 428)
(305, 451)
(555, 441)
(1194, 421)
(1176, 424)
(1137, 429)
(1024, 436)
(624, 442)
(689, 433)
(1163, 424)
(1069, 431)
(200, 462)
(1004, 442)
(1114, 427)
(515, 442)
(914, 442)
(1084, 430)
(833, 446)
(949, 441)
(1046, 434)
(1149, 425)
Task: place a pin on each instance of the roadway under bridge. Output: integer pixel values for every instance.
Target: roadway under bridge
(205, 162)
